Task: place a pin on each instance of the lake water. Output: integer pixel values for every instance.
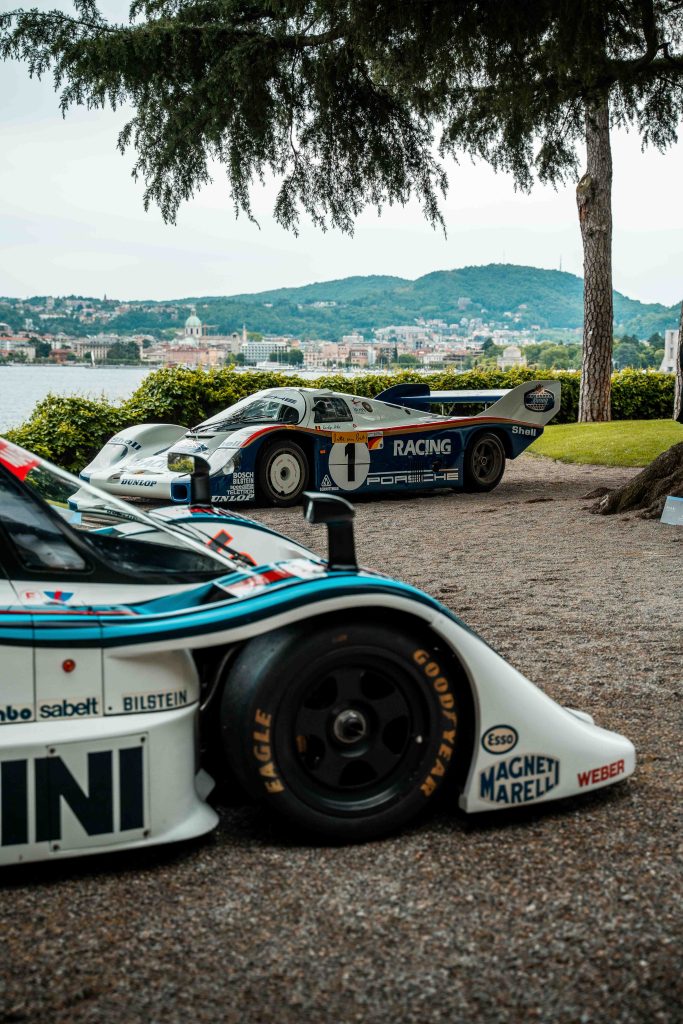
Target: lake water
(21, 387)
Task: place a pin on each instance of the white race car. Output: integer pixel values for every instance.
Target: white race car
(276, 443)
(143, 654)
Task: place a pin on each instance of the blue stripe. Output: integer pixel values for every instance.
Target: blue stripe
(279, 598)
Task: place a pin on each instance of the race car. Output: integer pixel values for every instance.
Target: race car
(276, 443)
(145, 655)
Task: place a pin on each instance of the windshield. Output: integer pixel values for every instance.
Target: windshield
(260, 408)
(49, 536)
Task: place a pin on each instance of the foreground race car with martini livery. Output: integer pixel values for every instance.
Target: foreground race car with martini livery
(276, 443)
(144, 655)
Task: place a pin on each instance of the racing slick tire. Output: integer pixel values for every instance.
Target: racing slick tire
(282, 473)
(484, 462)
(347, 731)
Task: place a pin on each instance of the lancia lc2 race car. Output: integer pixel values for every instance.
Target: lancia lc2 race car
(276, 443)
(146, 654)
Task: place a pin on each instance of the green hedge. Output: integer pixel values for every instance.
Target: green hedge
(70, 431)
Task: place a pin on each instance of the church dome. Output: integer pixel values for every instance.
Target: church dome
(193, 325)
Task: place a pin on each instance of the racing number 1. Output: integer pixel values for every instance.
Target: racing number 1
(350, 453)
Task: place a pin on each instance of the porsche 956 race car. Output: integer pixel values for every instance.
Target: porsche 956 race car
(278, 442)
(144, 655)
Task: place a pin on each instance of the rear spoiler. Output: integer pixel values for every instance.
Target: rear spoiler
(419, 396)
(536, 401)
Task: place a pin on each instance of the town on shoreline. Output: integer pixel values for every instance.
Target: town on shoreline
(72, 331)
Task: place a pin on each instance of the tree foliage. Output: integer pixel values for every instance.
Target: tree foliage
(345, 101)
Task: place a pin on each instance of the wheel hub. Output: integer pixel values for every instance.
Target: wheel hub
(350, 726)
(285, 474)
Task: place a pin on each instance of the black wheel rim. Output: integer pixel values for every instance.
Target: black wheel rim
(486, 461)
(356, 735)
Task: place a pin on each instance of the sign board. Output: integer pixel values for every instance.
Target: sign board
(672, 513)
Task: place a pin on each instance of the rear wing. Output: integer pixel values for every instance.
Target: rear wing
(537, 401)
(419, 396)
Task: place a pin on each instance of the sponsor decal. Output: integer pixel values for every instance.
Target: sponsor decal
(132, 482)
(363, 403)
(263, 753)
(240, 492)
(423, 476)
(499, 739)
(441, 687)
(100, 809)
(129, 442)
(376, 444)
(606, 771)
(154, 701)
(10, 713)
(520, 779)
(19, 462)
(68, 709)
(254, 584)
(539, 400)
(59, 596)
(303, 569)
(527, 431)
(423, 446)
(326, 484)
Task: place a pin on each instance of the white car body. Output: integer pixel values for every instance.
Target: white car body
(101, 692)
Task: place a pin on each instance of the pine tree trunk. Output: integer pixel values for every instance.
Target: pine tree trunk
(594, 202)
(678, 369)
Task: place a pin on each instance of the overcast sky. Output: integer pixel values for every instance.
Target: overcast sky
(72, 220)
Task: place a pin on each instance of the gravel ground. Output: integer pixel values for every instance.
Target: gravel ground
(569, 913)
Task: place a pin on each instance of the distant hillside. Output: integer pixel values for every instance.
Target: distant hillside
(549, 298)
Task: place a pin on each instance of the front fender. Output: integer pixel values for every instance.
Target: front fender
(136, 442)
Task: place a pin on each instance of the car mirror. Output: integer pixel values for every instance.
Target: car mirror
(337, 514)
(198, 469)
(178, 462)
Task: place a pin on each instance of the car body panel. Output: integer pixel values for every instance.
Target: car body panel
(100, 699)
(353, 444)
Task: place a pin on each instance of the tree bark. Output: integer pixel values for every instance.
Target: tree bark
(594, 202)
(678, 369)
(647, 492)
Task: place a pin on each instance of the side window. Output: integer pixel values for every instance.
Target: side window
(38, 543)
(331, 410)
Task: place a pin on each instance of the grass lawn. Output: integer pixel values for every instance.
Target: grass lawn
(619, 443)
